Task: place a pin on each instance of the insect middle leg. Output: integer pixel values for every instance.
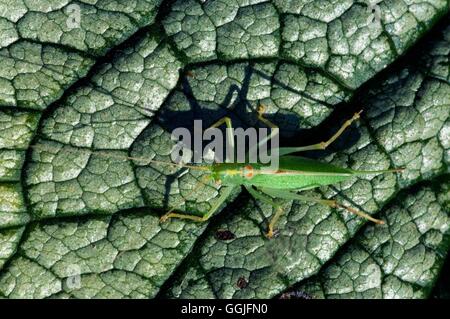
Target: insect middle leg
(261, 109)
(268, 200)
(322, 145)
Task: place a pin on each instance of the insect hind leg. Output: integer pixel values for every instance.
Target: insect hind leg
(328, 202)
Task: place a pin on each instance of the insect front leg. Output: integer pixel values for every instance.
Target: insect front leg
(220, 200)
(274, 129)
(321, 145)
(170, 214)
(328, 202)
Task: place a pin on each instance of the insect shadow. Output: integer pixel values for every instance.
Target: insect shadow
(235, 105)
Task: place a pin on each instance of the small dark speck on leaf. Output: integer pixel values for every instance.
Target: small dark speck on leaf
(242, 283)
(296, 295)
(223, 234)
(190, 74)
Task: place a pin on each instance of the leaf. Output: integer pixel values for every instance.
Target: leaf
(80, 219)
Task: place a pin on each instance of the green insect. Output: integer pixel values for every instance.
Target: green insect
(294, 174)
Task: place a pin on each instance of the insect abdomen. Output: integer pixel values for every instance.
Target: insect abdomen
(298, 172)
(295, 181)
(293, 173)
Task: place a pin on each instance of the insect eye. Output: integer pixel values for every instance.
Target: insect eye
(248, 171)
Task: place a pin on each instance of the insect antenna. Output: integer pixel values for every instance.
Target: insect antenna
(104, 154)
